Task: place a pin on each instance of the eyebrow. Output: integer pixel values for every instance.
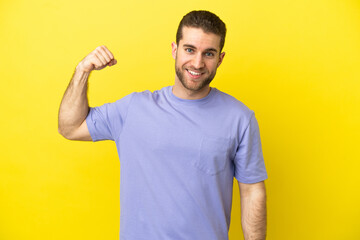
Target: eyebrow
(206, 50)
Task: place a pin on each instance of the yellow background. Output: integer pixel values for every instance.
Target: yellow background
(295, 63)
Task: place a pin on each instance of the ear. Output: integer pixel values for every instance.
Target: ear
(174, 48)
(221, 57)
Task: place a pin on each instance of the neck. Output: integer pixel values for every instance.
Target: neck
(181, 92)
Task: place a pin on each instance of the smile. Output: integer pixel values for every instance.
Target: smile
(193, 73)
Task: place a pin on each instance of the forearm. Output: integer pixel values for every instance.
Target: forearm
(74, 106)
(253, 214)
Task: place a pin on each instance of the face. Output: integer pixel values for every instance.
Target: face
(196, 58)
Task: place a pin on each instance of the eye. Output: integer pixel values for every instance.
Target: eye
(209, 54)
(189, 50)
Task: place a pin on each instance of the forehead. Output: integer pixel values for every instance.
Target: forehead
(200, 39)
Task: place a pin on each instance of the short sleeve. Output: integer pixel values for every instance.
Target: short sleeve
(105, 122)
(249, 160)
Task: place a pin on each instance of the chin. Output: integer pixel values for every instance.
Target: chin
(194, 86)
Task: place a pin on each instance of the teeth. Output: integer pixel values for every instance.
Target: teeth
(194, 73)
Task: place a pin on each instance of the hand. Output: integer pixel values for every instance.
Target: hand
(97, 60)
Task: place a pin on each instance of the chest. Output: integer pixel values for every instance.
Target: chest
(203, 138)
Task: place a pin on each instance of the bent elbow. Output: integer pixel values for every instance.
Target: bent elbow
(65, 135)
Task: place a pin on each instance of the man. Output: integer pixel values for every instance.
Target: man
(180, 147)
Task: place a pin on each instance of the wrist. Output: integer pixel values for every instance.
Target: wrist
(80, 69)
(80, 75)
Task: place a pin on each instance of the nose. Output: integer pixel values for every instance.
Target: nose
(198, 61)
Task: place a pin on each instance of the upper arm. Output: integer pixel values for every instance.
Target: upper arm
(81, 133)
(249, 161)
(247, 189)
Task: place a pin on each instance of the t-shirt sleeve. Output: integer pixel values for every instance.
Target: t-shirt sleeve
(249, 160)
(105, 122)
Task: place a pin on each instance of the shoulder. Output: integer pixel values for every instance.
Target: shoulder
(233, 105)
(149, 95)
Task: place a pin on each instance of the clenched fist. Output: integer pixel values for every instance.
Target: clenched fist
(97, 60)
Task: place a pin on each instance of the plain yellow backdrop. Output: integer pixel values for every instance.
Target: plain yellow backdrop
(295, 63)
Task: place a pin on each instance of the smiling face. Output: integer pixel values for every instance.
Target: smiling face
(196, 59)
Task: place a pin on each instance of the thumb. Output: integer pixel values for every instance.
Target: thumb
(112, 62)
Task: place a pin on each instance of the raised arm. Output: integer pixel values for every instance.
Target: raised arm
(253, 210)
(74, 106)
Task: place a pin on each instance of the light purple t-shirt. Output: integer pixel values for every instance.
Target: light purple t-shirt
(178, 161)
